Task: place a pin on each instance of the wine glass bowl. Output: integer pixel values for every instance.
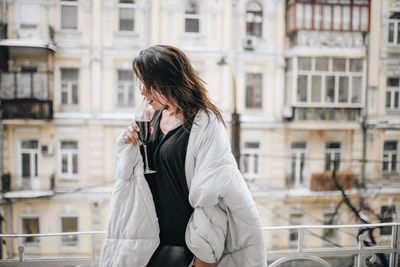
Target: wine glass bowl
(143, 116)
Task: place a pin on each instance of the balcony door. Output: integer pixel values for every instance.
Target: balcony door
(29, 157)
(298, 160)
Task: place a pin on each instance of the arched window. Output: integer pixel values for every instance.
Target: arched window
(192, 17)
(254, 19)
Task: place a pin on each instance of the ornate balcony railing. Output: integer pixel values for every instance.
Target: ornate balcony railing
(25, 96)
(276, 257)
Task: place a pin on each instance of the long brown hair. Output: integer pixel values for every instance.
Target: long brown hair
(168, 71)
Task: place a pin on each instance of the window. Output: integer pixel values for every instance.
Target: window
(69, 224)
(330, 218)
(126, 15)
(69, 86)
(298, 160)
(30, 225)
(323, 80)
(296, 218)
(192, 17)
(254, 19)
(388, 215)
(394, 29)
(69, 14)
(250, 160)
(69, 155)
(254, 90)
(393, 94)
(332, 156)
(29, 15)
(390, 157)
(29, 158)
(125, 96)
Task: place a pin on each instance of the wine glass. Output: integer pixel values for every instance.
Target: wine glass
(142, 118)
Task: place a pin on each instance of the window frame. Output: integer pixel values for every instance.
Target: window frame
(69, 175)
(299, 155)
(62, 244)
(331, 231)
(253, 88)
(252, 154)
(386, 232)
(190, 16)
(126, 86)
(73, 4)
(36, 244)
(396, 33)
(388, 157)
(322, 75)
(253, 25)
(300, 220)
(69, 88)
(332, 152)
(391, 91)
(126, 6)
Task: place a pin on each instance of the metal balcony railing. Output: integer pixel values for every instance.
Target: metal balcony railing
(276, 257)
(25, 96)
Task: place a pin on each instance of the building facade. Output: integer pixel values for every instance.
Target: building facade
(316, 84)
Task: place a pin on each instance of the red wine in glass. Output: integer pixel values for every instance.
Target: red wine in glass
(144, 131)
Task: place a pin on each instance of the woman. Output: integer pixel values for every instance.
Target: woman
(196, 209)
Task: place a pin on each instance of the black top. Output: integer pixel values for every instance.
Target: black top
(166, 154)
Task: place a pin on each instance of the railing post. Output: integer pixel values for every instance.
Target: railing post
(21, 250)
(360, 255)
(300, 240)
(93, 246)
(393, 256)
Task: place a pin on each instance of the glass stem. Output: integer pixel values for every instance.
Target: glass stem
(146, 162)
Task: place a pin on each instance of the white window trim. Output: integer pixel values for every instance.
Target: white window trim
(131, 6)
(69, 88)
(127, 86)
(191, 16)
(30, 247)
(309, 73)
(392, 90)
(253, 152)
(395, 32)
(298, 152)
(70, 153)
(388, 154)
(68, 3)
(262, 92)
(332, 152)
(69, 215)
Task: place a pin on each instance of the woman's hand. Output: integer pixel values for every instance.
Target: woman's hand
(199, 263)
(131, 135)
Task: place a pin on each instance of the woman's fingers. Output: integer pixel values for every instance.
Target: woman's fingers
(131, 134)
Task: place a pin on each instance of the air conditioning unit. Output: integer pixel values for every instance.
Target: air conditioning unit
(47, 149)
(287, 113)
(249, 43)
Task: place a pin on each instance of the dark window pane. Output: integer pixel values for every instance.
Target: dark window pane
(390, 145)
(356, 90)
(69, 17)
(321, 64)
(192, 25)
(316, 89)
(330, 89)
(391, 32)
(126, 19)
(393, 82)
(333, 145)
(26, 165)
(396, 99)
(356, 65)
(30, 226)
(339, 64)
(64, 164)
(388, 102)
(302, 88)
(343, 89)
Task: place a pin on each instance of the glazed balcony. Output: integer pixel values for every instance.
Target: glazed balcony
(25, 96)
(316, 15)
(319, 23)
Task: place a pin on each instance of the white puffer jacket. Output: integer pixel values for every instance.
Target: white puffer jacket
(225, 226)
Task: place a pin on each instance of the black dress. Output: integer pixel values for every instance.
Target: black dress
(170, 192)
